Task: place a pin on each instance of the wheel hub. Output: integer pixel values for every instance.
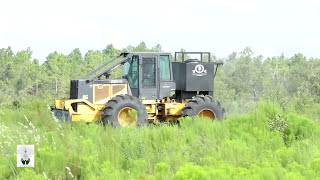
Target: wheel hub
(207, 113)
(127, 116)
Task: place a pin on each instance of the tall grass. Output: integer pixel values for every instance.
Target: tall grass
(264, 144)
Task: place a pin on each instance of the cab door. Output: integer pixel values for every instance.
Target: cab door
(148, 86)
(166, 85)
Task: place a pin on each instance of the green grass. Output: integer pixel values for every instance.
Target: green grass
(264, 144)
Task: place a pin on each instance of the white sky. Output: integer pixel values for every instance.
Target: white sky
(269, 27)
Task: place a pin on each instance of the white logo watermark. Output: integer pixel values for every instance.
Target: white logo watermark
(25, 155)
(199, 70)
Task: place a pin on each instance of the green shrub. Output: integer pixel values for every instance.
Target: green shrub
(298, 128)
(29, 174)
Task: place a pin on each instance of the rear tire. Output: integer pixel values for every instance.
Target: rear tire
(205, 106)
(124, 104)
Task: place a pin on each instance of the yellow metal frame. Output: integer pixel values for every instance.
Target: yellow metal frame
(89, 112)
(171, 110)
(151, 107)
(86, 111)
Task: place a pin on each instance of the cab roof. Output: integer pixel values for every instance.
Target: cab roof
(146, 53)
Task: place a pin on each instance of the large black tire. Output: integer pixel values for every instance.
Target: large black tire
(116, 104)
(201, 103)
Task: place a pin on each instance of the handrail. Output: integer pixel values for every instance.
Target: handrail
(183, 53)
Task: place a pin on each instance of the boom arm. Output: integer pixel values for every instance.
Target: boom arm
(126, 58)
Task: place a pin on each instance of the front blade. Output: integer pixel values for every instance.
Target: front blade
(61, 115)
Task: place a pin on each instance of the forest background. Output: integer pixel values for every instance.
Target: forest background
(243, 80)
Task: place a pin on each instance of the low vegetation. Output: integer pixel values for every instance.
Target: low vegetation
(264, 144)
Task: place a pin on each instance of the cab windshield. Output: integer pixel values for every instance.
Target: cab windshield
(133, 72)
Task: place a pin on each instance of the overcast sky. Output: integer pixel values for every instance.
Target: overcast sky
(269, 27)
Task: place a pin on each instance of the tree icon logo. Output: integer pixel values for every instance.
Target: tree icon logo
(25, 155)
(199, 70)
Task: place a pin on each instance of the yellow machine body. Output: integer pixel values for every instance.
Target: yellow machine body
(83, 110)
(89, 112)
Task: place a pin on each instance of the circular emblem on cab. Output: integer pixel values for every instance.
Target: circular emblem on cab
(199, 68)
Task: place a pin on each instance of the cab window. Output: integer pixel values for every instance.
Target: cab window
(133, 73)
(165, 68)
(148, 72)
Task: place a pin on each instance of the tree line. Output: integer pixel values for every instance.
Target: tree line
(243, 80)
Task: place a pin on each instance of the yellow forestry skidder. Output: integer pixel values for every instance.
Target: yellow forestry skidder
(153, 89)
